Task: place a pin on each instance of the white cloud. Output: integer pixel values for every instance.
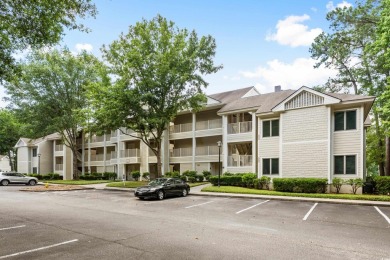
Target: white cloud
(232, 78)
(83, 46)
(330, 6)
(292, 32)
(290, 76)
(314, 9)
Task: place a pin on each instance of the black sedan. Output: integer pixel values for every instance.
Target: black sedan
(163, 187)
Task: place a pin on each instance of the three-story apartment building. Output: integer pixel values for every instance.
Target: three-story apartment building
(286, 133)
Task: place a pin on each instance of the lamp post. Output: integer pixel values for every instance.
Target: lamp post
(219, 143)
(39, 163)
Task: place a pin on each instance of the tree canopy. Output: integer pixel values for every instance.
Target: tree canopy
(158, 71)
(50, 93)
(35, 24)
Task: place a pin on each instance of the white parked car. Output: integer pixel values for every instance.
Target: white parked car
(14, 177)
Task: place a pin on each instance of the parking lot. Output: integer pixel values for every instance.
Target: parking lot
(96, 224)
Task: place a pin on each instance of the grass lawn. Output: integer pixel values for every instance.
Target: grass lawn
(231, 189)
(75, 182)
(197, 184)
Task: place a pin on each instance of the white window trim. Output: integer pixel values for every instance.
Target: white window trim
(345, 121)
(270, 119)
(270, 164)
(345, 165)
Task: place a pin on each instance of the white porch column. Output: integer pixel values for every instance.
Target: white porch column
(165, 152)
(89, 152)
(224, 155)
(254, 143)
(83, 152)
(104, 152)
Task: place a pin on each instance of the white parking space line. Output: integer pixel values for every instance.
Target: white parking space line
(383, 214)
(7, 228)
(238, 212)
(38, 249)
(200, 204)
(310, 211)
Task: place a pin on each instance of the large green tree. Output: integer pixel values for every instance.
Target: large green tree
(347, 47)
(10, 131)
(158, 71)
(50, 94)
(35, 24)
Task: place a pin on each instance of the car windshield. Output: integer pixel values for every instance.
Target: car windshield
(157, 182)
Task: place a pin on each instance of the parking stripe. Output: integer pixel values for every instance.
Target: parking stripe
(383, 214)
(308, 213)
(238, 212)
(200, 204)
(1, 229)
(38, 249)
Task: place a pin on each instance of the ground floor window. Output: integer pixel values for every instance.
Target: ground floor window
(270, 166)
(35, 170)
(345, 164)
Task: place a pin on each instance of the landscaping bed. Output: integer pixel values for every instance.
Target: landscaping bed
(43, 188)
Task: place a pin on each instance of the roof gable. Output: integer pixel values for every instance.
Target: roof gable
(305, 97)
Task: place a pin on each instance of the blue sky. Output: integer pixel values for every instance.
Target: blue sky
(259, 43)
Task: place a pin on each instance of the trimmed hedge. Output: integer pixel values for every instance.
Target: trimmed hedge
(234, 180)
(382, 184)
(300, 185)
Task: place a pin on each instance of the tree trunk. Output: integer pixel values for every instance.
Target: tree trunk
(159, 164)
(387, 170)
(11, 162)
(75, 169)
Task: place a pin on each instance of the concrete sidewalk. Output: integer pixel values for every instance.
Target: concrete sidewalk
(197, 192)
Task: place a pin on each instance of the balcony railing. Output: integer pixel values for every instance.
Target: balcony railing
(181, 152)
(181, 128)
(130, 153)
(113, 133)
(97, 138)
(240, 160)
(207, 150)
(240, 127)
(59, 147)
(113, 154)
(59, 167)
(96, 157)
(209, 124)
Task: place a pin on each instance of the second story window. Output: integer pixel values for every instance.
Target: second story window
(34, 152)
(271, 128)
(345, 120)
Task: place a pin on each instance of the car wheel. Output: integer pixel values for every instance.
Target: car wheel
(184, 192)
(32, 182)
(160, 195)
(4, 182)
(141, 198)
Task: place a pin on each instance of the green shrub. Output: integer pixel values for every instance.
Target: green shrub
(337, 183)
(264, 182)
(248, 179)
(301, 185)
(228, 174)
(145, 175)
(227, 180)
(109, 175)
(191, 179)
(382, 184)
(199, 178)
(256, 184)
(206, 175)
(135, 175)
(355, 184)
(172, 174)
(183, 178)
(189, 173)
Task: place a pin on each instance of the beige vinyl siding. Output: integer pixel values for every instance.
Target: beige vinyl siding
(200, 167)
(23, 160)
(348, 142)
(305, 142)
(269, 147)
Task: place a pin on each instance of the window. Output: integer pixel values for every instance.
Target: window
(270, 166)
(345, 164)
(345, 120)
(35, 170)
(271, 128)
(34, 151)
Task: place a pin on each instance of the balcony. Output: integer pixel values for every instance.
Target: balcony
(209, 124)
(207, 150)
(240, 127)
(181, 128)
(130, 156)
(96, 157)
(97, 138)
(181, 152)
(239, 160)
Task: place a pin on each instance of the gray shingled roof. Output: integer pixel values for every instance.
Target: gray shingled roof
(348, 97)
(229, 96)
(261, 103)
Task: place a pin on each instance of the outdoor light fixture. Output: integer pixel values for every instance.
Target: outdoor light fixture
(219, 143)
